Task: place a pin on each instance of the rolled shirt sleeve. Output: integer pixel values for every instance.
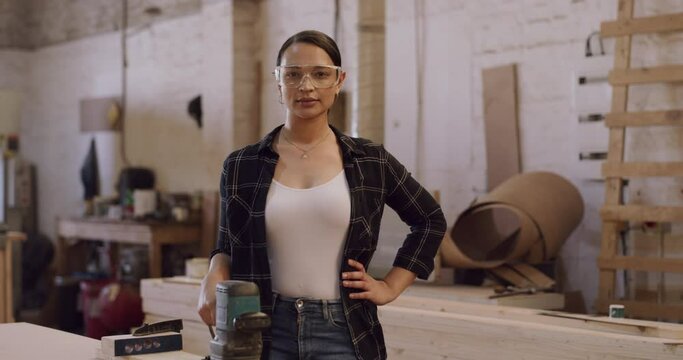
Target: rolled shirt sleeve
(417, 208)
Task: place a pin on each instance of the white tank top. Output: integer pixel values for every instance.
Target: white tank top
(305, 231)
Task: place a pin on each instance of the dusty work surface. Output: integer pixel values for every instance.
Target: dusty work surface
(23, 341)
(480, 295)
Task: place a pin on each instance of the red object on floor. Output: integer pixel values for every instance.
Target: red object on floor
(90, 292)
(121, 308)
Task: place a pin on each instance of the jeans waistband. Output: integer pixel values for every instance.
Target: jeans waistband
(305, 300)
(308, 305)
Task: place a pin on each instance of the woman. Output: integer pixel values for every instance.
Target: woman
(300, 217)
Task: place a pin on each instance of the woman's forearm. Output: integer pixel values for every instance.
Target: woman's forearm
(398, 279)
(220, 265)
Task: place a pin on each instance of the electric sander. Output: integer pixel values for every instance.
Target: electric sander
(239, 322)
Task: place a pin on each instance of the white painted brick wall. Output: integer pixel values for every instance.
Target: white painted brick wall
(169, 64)
(58, 78)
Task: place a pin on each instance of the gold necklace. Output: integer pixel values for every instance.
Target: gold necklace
(304, 152)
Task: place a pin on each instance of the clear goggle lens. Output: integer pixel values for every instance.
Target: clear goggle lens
(321, 76)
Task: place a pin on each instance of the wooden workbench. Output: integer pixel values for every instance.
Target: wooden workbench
(452, 322)
(481, 295)
(23, 341)
(152, 234)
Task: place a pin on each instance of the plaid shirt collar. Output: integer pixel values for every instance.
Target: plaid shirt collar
(349, 147)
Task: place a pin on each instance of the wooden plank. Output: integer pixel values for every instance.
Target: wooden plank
(172, 298)
(645, 118)
(538, 278)
(644, 309)
(168, 289)
(587, 322)
(170, 308)
(510, 275)
(642, 169)
(615, 154)
(4, 284)
(28, 341)
(642, 264)
(641, 213)
(621, 326)
(481, 294)
(183, 280)
(500, 124)
(647, 75)
(644, 25)
(9, 283)
(440, 335)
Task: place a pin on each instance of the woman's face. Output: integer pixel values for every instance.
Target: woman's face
(306, 100)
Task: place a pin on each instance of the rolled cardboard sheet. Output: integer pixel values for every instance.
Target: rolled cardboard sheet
(528, 217)
(451, 256)
(553, 203)
(488, 236)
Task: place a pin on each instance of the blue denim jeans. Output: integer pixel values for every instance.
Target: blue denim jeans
(308, 329)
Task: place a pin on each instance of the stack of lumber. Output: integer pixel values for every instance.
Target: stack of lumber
(176, 298)
(417, 327)
(439, 322)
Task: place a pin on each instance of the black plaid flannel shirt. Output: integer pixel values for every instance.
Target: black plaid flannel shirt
(375, 178)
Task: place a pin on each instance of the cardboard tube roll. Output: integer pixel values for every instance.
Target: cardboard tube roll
(489, 236)
(553, 203)
(451, 256)
(529, 216)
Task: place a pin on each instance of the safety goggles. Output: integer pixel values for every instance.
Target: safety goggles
(321, 76)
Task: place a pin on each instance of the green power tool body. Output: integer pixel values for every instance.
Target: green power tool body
(239, 322)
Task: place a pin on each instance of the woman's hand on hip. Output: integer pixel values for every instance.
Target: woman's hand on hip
(376, 291)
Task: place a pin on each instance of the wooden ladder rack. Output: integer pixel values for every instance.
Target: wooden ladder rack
(615, 213)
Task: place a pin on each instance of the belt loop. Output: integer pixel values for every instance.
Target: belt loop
(325, 310)
(272, 307)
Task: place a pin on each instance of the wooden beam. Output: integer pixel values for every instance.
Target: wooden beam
(641, 213)
(644, 25)
(614, 186)
(656, 74)
(639, 263)
(644, 309)
(558, 318)
(421, 334)
(645, 118)
(501, 124)
(642, 169)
